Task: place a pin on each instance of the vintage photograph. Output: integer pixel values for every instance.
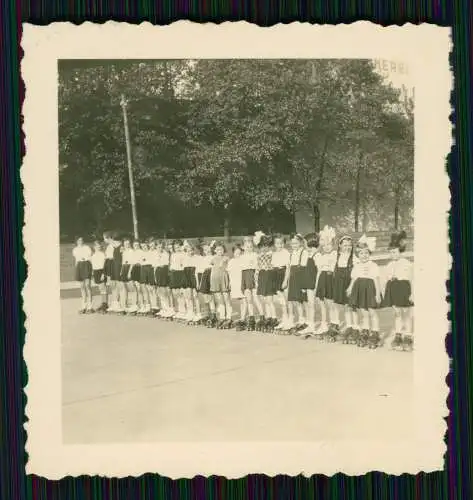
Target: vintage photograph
(236, 249)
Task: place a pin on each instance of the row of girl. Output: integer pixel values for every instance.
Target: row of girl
(277, 288)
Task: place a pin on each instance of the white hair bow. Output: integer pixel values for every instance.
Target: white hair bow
(257, 237)
(327, 234)
(369, 242)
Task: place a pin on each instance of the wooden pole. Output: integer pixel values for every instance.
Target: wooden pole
(123, 104)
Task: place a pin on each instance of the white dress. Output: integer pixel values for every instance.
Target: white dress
(234, 272)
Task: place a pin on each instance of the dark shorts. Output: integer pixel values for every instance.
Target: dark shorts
(248, 280)
(162, 276)
(83, 271)
(99, 276)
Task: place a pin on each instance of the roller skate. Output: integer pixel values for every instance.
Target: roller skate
(212, 321)
(251, 324)
(102, 309)
(397, 342)
(321, 331)
(363, 338)
(344, 336)
(333, 332)
(227, 324)
(354, 337)
(308, 332)
(271, 325)
(260, 324)
(408, 342)
(374, 340)
(240, 325)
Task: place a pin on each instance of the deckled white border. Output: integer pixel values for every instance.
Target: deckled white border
(426, 49)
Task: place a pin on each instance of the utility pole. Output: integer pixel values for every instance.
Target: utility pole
(123, 104)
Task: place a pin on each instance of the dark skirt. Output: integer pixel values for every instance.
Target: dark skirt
(176, 279)
(397, 294)
(116, 270)
(83, 270)
(124, 273)
(266, 284)
(204, 286)
(310, 274)
(248, 280)
(363, 294)
(296, 286)
(99, 276)
(189, 278)
(325, 286)
(162, 276)
(136, 272)
(341, 281)
(279, 274)
(147, 275)
(107, 268)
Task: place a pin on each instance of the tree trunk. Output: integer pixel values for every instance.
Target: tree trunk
(318, 187)
(358, 193)
(357, 199)
(396, 208)
(226, 225)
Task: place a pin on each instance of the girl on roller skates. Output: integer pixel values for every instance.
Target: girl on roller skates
(341, 282)
(98, 263)
(264, 278)
(82, 255)
(249, 261)
(280, 260)
(162, 279)
(311, 244)
(127, 260)
(364, 294)
(205, 269)
(398, 275)
(295, 281)
(326, 261)
(234, 273)
(220, 287)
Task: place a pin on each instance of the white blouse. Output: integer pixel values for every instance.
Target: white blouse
(98, 260)
(249, 260)
(299, 258)
(128, 256)
(176, 261)
(398, 269)
(367, 269)
(162, 259)
(281, 258)
(203, 262)
(109, 251)
(82, 253)
(326, 261)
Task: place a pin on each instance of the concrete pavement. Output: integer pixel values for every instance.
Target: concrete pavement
(129, 379)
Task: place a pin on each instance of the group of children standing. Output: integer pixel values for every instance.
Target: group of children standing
(277, 288)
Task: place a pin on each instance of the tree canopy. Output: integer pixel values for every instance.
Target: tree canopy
(214, 139)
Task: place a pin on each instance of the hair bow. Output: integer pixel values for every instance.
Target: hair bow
(257, 237)
(327, 234)
(370, 243)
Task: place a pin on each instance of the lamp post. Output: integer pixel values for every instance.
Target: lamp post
(123, 104)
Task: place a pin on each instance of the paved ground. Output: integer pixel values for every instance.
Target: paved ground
(143, 379)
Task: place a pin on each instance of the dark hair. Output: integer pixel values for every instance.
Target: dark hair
(363, 246)
(221, 244)
(237, 246)
(297, 236)
(312, 240)
(279, 236)
(350, 258)
(398, 240)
